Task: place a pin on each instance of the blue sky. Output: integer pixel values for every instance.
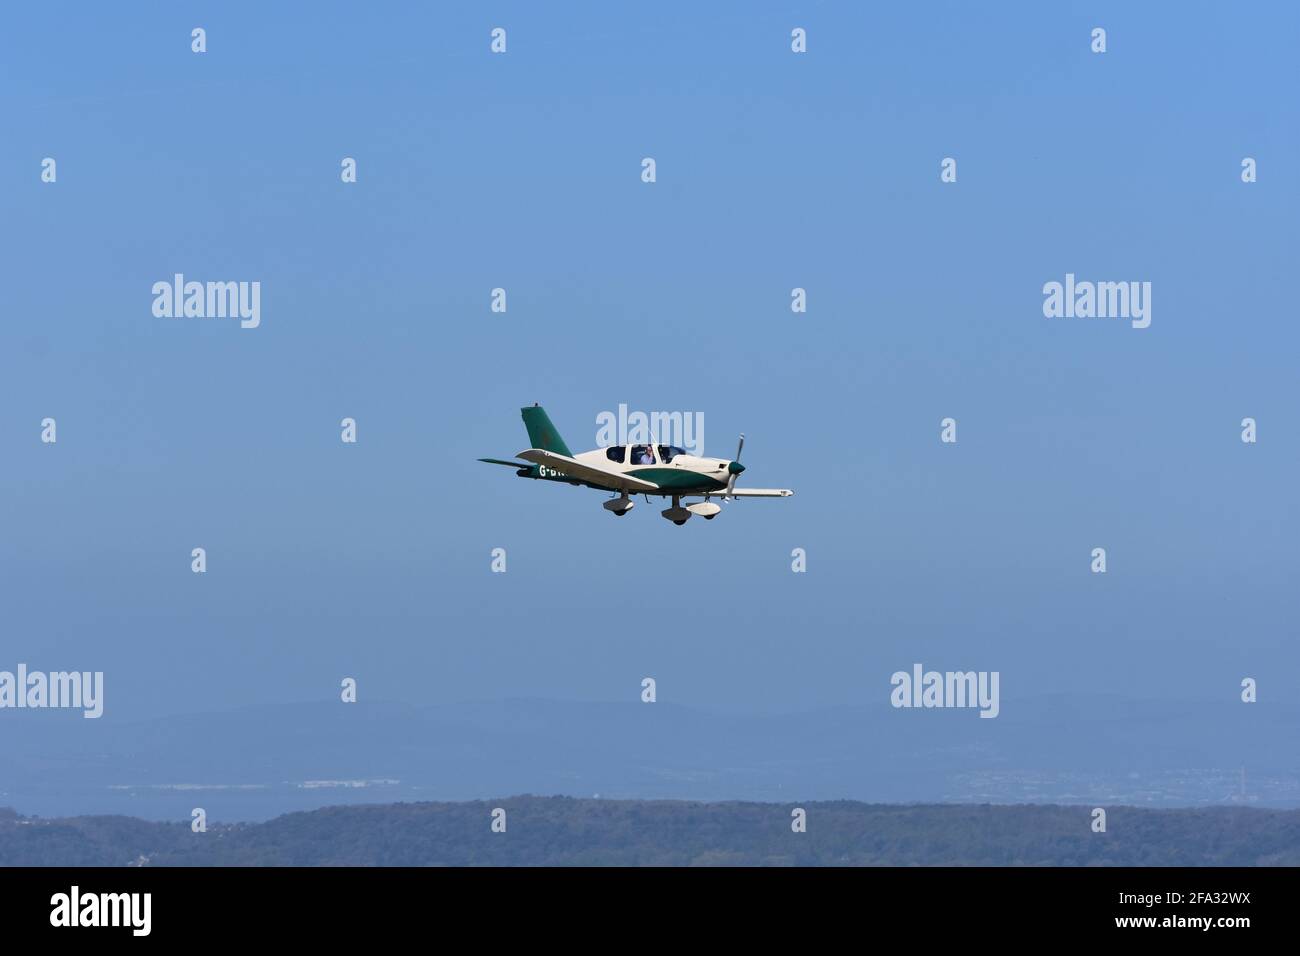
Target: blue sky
(522, 171)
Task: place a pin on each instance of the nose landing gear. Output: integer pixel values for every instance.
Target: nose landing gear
(676, 514)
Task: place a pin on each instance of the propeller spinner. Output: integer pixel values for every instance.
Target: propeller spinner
(735, 468)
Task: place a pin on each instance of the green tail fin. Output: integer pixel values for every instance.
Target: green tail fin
(541, 433)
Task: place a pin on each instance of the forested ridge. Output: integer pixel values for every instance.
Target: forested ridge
(566, 831)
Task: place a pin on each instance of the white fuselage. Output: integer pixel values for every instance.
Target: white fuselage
(675, 471)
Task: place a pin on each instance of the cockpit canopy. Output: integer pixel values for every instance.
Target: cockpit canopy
(643, 454)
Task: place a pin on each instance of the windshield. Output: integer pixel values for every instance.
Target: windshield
(668, 452)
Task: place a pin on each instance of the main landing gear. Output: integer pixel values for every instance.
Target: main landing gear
(619, 506)
(705, 509)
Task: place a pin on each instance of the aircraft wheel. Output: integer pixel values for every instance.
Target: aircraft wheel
(709, 517)
(679, 522)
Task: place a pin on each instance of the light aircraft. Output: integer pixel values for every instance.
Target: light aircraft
(645, 469)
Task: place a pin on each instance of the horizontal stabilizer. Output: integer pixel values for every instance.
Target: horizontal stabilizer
(759, 493)
(501, 461)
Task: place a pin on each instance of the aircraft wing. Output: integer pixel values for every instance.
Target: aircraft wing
(577, 469)
(758, 493)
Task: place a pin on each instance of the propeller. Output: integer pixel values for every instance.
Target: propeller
(735, 468)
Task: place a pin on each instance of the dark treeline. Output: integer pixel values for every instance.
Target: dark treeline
(566, 831)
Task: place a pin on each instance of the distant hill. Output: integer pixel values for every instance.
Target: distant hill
(563, 831)
(262, 762)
